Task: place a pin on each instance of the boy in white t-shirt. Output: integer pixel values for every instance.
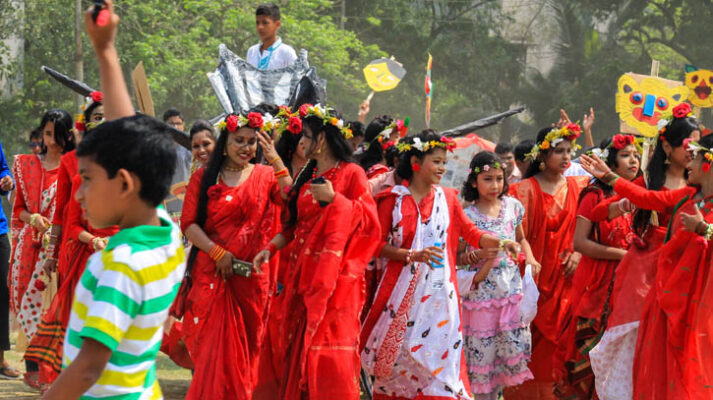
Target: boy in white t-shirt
(270, 53)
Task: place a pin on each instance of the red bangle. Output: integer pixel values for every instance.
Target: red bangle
(216, 253)
(272, 248)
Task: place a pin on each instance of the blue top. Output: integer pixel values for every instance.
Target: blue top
(4, 171)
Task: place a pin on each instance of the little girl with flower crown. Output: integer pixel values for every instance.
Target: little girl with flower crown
(497, 341)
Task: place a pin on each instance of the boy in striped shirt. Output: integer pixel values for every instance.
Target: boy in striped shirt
(123, 297)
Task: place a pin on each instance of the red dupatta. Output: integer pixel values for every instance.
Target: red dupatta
(317, 315)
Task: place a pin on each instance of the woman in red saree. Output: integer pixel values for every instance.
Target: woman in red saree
(92, 116)
(666, 364)
(231, 210)
(550, 200)
(612, 358)
(33, 209)
(602, 244)
(334, 230)
(412, 339)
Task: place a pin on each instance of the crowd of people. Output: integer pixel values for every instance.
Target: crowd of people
(324, 260)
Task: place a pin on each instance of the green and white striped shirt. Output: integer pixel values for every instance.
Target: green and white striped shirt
(122, 302)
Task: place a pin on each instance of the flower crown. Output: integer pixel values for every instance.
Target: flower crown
(487, 167)
(445, 143)
(398, 125)
(308, 110)
(288, 121)
(568, 132)
(80, 124)
(619, 141)
(682, 110)
(695, 148)
(254, 120)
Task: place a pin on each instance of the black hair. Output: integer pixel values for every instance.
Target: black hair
(480, 160)
(522, 148)
(286, 147)
(200, 126)
(340, 148)
(404, 169)
(675, 132)
(392, 156)
(63, 124)
(266, 108)
(36, 133)
(269, 10)
(357, 128)
(171, 112)
(534, 167)
(504, 148)
(612, 163)
(139, 144)
(374, 154)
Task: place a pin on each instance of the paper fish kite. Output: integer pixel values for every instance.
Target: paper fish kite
(383, 74)
(641, 101)
(699, 82)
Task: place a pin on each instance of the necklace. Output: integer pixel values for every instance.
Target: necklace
(233, 169)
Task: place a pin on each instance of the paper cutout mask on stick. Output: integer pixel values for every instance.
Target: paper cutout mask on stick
(700, 84)
(641, 100)
(383, 74)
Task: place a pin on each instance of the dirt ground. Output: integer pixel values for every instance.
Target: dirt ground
(174, 380)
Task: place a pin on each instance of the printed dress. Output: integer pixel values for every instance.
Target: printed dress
(497, 342)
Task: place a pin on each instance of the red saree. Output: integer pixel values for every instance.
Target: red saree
(316, 323)
(591, 306)
(46, 346)
(665, 367)
(612, 358)
(65, 195)
(549, 227)
(35, 194)
(224, 322)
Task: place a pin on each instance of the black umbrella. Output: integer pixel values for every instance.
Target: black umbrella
(470, 127)
(77, 86)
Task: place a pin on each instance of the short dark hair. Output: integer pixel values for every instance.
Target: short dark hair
(171, 112)
(139, 144)
(269, 10)
(522, 148)
(36, 134)
(503, 148)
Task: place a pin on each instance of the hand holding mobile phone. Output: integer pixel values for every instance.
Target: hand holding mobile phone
(320, 181)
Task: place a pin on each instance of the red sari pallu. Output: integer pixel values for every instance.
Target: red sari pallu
(412, 339)
(591, 290)
(36, 189)
(224, 321)
(612, 358)
(47, 344)
(316, 323)
(549, 227)
(665, 365)
(68, 169)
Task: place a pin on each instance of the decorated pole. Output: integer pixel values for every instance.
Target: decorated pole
(428, 87)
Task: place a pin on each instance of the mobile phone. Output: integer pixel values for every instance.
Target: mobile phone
(320, 181)
(242, 267)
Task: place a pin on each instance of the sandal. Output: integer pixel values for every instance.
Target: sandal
(10, 373)
(32, 379)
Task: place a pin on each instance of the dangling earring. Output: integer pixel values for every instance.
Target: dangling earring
(319, 151)
(225, 151)
(666, 161)
(542, 166)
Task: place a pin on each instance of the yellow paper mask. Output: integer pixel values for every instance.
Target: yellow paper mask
(699, 82)
(641, 100)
